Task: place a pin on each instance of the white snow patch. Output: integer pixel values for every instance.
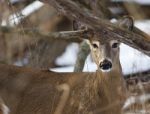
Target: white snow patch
(136, 99)
(15, 18)
(69, 56)
(133, 61)
(63, 69)
(143, 25)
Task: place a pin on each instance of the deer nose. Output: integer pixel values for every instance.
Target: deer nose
(105, 65)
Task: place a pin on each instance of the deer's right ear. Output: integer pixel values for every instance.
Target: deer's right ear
(126, 22)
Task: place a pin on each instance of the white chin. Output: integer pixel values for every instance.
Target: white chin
(106, 70)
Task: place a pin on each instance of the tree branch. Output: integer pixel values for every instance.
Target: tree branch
(84, 50)
(71, 36)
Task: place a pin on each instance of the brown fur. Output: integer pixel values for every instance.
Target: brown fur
(34, 91)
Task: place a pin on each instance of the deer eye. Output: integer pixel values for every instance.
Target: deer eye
(115, 45)
(95, 45)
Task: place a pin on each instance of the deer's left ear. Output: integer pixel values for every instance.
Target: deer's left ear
(126, 22)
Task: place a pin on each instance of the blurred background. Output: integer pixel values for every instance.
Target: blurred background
(21, 45)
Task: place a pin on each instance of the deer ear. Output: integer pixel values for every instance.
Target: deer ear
(126, 22)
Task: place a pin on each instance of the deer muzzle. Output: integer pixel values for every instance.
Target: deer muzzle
(105, 65)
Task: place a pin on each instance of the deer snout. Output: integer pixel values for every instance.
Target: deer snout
(105, 65)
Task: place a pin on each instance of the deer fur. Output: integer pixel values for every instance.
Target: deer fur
(33, 91)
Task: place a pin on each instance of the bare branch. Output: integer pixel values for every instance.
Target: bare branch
(100, 8)
(71, 36)
(140, 76)
(84, 50)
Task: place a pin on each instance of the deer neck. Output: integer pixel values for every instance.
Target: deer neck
(106, 87)
(112, 79)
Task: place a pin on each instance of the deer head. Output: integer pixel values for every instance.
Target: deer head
(106, 53)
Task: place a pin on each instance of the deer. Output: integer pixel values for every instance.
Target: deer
(35, 91)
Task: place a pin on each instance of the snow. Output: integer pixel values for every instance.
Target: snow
(136, 99)
(133, 61)
(143, 25)
(15, 18)
(69, 56)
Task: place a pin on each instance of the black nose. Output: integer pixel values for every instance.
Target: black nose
(105, 65)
